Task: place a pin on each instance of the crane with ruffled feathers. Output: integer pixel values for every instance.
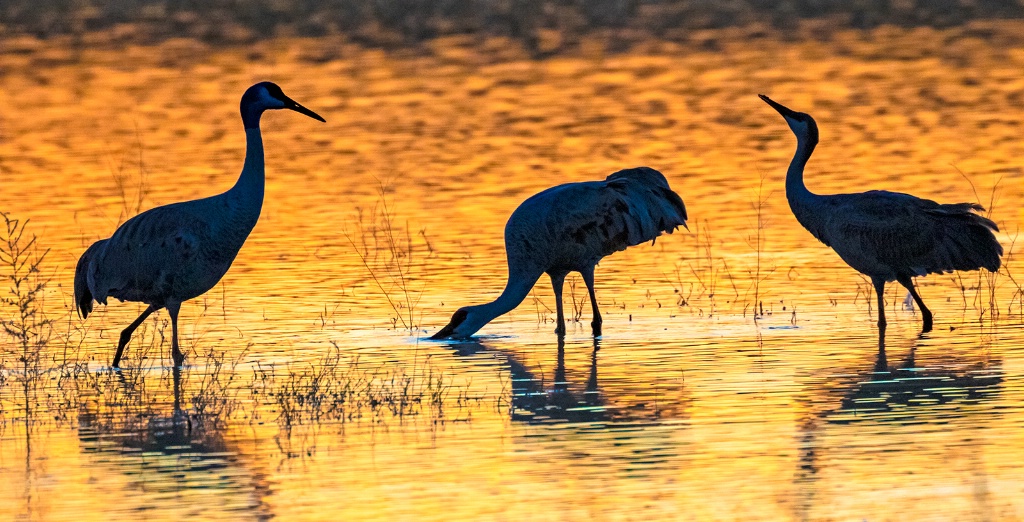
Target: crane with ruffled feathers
(570, 228)
(888, 236)
(170, 254)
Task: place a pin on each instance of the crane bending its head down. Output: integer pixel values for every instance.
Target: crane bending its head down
(569, 228)
(170, 254)
(888, 236)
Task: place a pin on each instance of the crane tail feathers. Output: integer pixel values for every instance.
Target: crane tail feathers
(969, 241)
(649, 206)
(83, 296)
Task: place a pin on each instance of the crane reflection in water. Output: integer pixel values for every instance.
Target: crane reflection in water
(592, 426)
(896, 397)
(541, 396)
(177, 452)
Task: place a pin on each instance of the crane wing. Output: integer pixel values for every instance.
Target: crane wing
(629, 208)
(145, 256)
(646, 208)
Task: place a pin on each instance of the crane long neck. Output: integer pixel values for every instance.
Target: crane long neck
(515, 291)
(796, 191)
(250, 185)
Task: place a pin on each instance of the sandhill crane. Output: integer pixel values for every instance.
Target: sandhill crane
(170, 254)
(569, 228)
(888, 235)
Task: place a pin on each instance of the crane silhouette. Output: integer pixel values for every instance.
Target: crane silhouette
(569, 228)
(888, 235)
(170, 254)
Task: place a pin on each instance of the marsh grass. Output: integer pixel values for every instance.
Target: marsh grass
(577, 303)
(390, 257)
(865, 292)
(333, 389)
(707, 271)
(132, 194)
(150, 410)
(77, 385)
(340, 389)
(215, 395)
(543, 317)
(760, 272)
(984, 288)
(1017, 297)
(24, 320)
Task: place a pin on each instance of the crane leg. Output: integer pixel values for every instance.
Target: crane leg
(880, 292)
(556, 285)
(588, 278)
(926, 314)
(126, 334)
(176, 355)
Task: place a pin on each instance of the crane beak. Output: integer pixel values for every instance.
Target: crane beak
(297, 107)
(783, 110)
(443, 333)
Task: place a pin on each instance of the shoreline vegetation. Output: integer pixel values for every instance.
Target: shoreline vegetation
(542, 27)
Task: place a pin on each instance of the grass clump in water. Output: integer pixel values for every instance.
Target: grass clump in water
(707, 269)
(337, 389)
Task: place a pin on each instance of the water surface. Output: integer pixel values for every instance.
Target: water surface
(739, 376)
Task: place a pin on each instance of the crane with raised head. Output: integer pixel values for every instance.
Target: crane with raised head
(173, 253)
(570, 228)
(888, 236)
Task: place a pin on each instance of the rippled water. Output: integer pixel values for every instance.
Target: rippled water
(304, 395)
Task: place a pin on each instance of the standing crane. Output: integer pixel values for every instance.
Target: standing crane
(888, 235)
(569, 228)
(170, 254)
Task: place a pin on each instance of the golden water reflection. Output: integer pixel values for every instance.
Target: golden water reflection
(303, 394)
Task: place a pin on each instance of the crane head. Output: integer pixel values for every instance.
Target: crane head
(462, 326)
(266, 96)
(802, 124)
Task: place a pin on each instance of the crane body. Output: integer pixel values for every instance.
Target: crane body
(888, 236)
(570, 228)
(170, 254)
